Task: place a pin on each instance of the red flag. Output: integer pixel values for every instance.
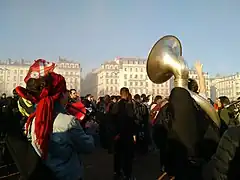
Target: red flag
(39, 69)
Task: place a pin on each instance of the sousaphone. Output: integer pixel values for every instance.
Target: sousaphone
(165, 60)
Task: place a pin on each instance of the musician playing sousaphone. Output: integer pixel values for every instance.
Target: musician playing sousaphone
(190, 124)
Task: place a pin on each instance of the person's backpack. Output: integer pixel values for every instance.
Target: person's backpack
(140, 111)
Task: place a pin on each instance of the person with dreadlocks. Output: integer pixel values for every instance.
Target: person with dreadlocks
(57, 138)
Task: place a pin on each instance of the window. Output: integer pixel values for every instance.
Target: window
(131, 83)
(125, 76)
(125, 83)
(166, 92)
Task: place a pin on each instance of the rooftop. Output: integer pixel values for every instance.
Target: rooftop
(23, 62)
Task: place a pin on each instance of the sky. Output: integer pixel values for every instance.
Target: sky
(93, 31)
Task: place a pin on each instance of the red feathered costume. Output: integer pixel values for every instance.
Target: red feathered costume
(44, 114)
(40, 68)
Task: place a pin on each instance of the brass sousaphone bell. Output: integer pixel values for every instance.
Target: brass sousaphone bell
(165, 60)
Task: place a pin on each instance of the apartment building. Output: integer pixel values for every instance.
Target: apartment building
(12, 73)
(71, 72)
(127, 72)
(225, 86)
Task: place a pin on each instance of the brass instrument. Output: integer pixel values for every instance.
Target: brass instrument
(234, 109)
(165, 60)
(235, 103)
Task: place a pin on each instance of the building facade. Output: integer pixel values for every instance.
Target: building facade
(71, 71)
(226, 86)
(127, 72)
(12, 74)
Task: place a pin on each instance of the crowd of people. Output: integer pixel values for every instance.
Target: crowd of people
(45, 129)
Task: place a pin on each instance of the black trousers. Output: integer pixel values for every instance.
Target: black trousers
(123, 156)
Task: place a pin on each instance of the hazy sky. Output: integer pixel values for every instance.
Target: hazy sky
(93, 31)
